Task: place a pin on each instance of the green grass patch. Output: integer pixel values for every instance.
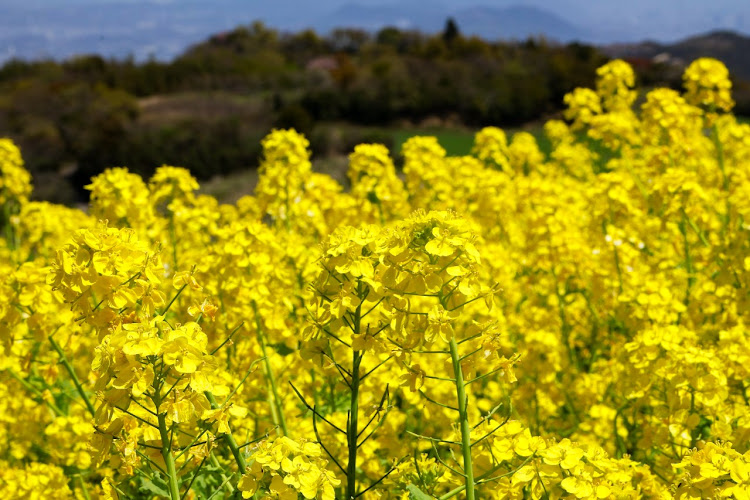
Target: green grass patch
(456, 142)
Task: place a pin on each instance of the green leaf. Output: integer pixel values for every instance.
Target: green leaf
(417, 494)
(157, 487)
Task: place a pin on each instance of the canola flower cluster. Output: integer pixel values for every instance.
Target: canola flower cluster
(510, 324)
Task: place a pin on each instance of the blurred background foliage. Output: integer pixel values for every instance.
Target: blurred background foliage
(208, 109)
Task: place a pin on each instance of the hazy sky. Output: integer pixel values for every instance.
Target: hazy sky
(34, 28)
(658, 19)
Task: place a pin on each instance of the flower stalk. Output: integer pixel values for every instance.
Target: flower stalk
(166, 445)
(352, 429)
(69, 368)
(463, 418)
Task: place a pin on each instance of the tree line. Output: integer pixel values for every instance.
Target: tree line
(83, 114)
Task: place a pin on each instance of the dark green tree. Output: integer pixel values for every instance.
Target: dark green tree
(451, 31)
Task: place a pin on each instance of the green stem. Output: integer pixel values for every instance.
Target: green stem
(565, 327)
(36, 392)
(166, 442)
(618, 268)
(277, 411)
(228, 438)
(688, 259)
(486, 477)
(173, 237)
(225, 481)
(84, 489)
(352, 430)
(725, 179)
(173, 299)
(166, 453)
(10, 233)
(464, 420)
(72, 373)
(720, 157)
(287, 211)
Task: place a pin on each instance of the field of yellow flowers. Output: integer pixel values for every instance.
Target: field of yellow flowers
(507, 324)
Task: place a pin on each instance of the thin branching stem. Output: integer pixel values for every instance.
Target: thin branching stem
(277, 409)
(315, 412)
(376, 367)
(69, 368)
(424, 395)
(228, 438)
(228, 339)
(320, 441)
(463, 418)
(166, 309)
(379, 480)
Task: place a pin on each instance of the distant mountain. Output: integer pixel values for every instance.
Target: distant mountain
(163, 29)
(373, 17)
(730, 47)
(516, 22)
(141, 28)
(33, 29)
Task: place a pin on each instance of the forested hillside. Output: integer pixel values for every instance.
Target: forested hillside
(207, 109)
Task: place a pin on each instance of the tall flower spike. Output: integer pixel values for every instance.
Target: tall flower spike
(15, 180)
(104, 271)
(707, 85)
